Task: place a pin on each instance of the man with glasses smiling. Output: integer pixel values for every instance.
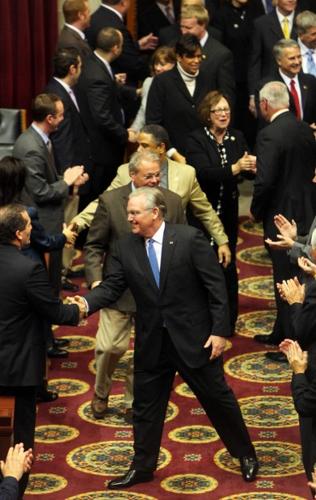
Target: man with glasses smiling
(109, 224)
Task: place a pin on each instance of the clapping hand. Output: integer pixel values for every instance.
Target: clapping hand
(296, 357)
(17, 461)
(307, 265)
(292, 291)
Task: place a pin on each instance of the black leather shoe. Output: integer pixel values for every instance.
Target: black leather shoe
(44, 396)
(279, 357)
(54, 352)
(61, 343)
(249, 467)
(75, 274)
(265, 339)
(132, 477)
(68, 285)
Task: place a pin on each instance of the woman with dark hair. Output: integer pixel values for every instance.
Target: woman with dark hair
(219, 153)
(12, 180)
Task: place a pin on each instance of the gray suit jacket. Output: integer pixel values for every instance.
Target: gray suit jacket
(109, 224)
(47, 190)
(302, 245)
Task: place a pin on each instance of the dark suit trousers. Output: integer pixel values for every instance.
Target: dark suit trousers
(151, 395)
(24, 421)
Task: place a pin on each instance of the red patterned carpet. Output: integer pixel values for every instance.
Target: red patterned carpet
(76, 455)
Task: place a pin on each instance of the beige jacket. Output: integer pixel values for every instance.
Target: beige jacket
(182, 180)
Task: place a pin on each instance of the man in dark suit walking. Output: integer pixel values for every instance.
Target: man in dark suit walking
(286, 151)
(181, 325)
(100, 100)
(26, 298)
(77, 19)
(109, 224)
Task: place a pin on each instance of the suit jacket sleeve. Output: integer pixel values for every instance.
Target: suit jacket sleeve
(203, 210)
(140, 118)
(42, 241)
(207, 266)
(99, 97)
(111, 289)
(304, 317)
(304, 395)
(121, 179)
(43, 301)
(41, 191)
(267, 172)
(85, 218)
(9, 488)
(97, 243)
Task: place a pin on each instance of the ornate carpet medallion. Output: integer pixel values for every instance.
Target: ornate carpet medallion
(80, 343)
(250, 227)
(108, 458)
(255, 323)
(120, 371)
(114, 495)
(194, 434)
(257, 256)
(68, 386)
(255, 367)
(188, 484)
(55, 433)
(41, 484)
(258, 287)
(269, 495)
(269, 411)
(276, 458)
(115, 413)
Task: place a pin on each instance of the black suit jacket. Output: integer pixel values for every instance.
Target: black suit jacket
(267, 31)
(109, 224)
(70, 141)
(26, 300)
(308, 92)
(286, 152)
(70, 38)
(191, 301)
(131, 61)
(170, 104)
(152, 19)
(100, 102)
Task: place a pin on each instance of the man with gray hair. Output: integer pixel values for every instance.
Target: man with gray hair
(306, 31)
(109, 224)
(301, 86)
(182, 320)
(286, 152)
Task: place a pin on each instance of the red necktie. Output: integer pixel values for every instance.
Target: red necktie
(295, 99)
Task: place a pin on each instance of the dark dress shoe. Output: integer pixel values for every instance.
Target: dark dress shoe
(61, 342)
(279, 357)
(75, 274)
(44, 396)
(249, 467)
(99, 406)
(68, 285)
(265, 339)
(132, 477)
(54, 352)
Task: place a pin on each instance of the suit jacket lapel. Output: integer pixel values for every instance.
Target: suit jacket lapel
(49, 157)
(304, 90)
(275, 25)
(181, 85)
(143, 262)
